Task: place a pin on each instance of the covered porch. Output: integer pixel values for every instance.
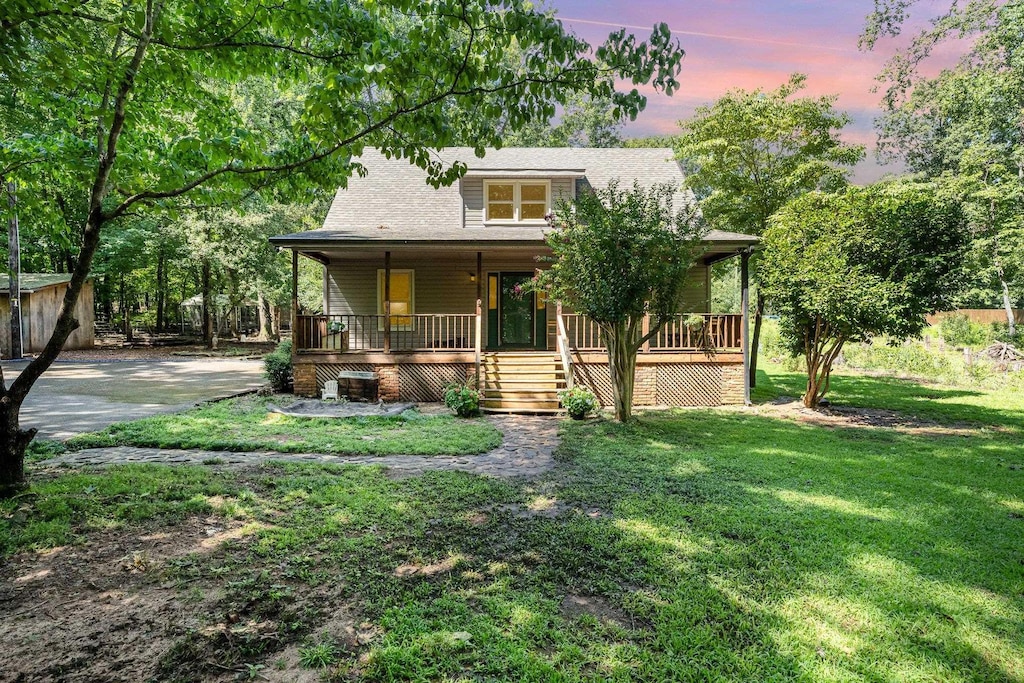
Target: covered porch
(451, 309)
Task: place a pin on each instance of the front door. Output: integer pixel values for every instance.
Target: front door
(515, 311)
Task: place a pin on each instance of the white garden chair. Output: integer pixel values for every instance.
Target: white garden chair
(330, 390)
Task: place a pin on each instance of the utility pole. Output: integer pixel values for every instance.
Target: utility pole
(14, 272)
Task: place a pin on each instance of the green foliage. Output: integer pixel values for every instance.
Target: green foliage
(618, 255)
(463, 400)
(318, 655)
(959, 330)
(752, 151)
(245, 424)
(579, 402)
(277, 366)
(870, 261)
(961, 126)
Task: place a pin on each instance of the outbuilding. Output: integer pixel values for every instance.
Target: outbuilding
(41, 297)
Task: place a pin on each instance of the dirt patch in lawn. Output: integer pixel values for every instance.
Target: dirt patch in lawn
(791, 408)
(576, 606)
(104, 610)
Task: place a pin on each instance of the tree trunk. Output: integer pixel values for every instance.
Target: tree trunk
(161, 284)
(14, 274)
(207, 306)
(266, 332)
(13, 443)
(622, 352)
(1011, 322)
(755, 339)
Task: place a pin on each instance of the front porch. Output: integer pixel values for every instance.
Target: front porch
(444, 316)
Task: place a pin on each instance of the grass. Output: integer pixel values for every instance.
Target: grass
(243, 424)
(704, 545)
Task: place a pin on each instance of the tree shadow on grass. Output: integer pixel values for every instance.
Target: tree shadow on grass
(887, 557)
(945, 405)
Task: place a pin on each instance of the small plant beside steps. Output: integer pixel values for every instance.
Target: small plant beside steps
(463, 400)
(578, 402)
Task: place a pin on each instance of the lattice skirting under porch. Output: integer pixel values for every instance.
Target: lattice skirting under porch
(682, 384)
(427, 381)
(328, 372)
(669, 384)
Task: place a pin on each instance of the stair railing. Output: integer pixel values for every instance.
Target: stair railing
(562, 344)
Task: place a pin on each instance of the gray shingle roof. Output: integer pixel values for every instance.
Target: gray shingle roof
(394, 204)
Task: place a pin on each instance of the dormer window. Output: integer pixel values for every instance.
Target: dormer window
(516, 201)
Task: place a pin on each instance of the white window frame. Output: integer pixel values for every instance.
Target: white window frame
(412, 298)
(517, 201)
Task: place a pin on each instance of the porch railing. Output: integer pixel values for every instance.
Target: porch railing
(419, 332)
(716, 332)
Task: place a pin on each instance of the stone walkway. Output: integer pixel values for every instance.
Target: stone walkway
(527, 450)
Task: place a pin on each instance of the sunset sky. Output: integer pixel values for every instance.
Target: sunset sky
(750, 44)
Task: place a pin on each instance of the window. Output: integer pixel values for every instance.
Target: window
(516, 201)
(403, 300)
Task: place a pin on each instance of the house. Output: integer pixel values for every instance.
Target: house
(41, 297)
(424, 287)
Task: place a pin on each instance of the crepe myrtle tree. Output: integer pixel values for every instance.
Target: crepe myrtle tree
(868, 261)
(618, 256)
(135, 105)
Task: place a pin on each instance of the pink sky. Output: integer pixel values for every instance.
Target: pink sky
(750, 44)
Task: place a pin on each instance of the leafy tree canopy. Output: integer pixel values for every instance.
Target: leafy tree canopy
(868, 261)
(619, 255)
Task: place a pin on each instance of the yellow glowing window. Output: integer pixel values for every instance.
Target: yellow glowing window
(515, 202)
(403, 299)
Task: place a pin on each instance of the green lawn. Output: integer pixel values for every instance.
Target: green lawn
(696, 545)
(243, 424)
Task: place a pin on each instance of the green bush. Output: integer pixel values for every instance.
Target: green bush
(578, 402)
(958, 330)
(277, 366)
(464, 401)
(1001, 332)
(910, 358)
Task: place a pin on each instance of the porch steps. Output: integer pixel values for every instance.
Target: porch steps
(521, 382)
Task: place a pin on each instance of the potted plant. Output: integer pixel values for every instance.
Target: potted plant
(578, 402)
(337, 336)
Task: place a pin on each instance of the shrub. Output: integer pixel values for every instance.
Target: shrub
(277, 366)
(578, 402)
(463, 400)
(958, 330)
(1001, 332)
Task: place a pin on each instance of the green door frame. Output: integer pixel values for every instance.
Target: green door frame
(538, 314)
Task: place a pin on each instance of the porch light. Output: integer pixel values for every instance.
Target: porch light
(472, 276)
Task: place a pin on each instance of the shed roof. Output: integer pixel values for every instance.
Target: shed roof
(33, 282)
(393, 204)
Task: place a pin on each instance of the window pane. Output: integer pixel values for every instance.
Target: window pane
(533, 211)
(401, 287)
(499, 193)
(534, 193)
(399, 307)
(499, 211)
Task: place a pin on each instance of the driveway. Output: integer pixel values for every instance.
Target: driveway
(71, 398)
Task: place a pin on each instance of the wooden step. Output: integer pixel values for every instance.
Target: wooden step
(524, 411)
(525, 404)
(517, 384)
(522, 394)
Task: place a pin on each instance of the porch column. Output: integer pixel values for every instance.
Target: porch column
(297, 339)
(479, 312)
(745, 284)
(387, 302)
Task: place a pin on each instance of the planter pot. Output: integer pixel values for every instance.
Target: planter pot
(336, 341)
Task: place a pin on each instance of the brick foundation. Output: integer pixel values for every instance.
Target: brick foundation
(732, 384)
(645, 386)
(304, 375)
(390, 389)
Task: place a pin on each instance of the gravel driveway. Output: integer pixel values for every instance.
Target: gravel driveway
(71, 398)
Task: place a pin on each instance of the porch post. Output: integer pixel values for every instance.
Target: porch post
(745, 284)
(297, 339)
(387, 302)
(645, 330)
(479, 311)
